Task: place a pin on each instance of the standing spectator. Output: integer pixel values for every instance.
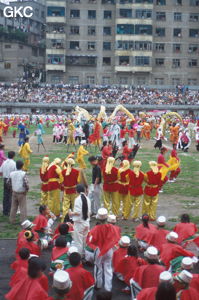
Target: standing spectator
(7, 167)
(20, 187)
(81, 218)
(2, 155)
(95, 192)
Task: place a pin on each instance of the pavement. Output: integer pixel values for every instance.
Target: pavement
(7, 249)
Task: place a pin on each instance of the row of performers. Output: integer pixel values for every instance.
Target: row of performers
(120, 185)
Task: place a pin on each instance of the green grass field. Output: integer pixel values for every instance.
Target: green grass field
(186, 186)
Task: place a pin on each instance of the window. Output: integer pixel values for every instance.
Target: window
(106, 46)
(176, 48)
(160, 2)
(75, 13)
(143, 29)
(160, 31)
(7, 65)
(159, 61)
(142, 60)
(53, 11)
(74, 30)
(126, 1)
(141, 81)
(91, 30)
(144, 1)
(7, 46)
(176, 63)
(107, 30)
(193, 17)
(74, 45)
(177, 32)
(107, 14)
(125, 29)
(159, 47)
(124, 60)
(91, 46)
(192, 81)
(123, 80)
(194, 2)
(177, 17)
(143, 14)
(91, 14)
(160, 16)
(143, 46)
(175, 81)
(106, 80)
(55, 59)
(73, 80)
(193, 63)
(178, 2)
(57, 44)
(108, 1)
(90, 79)
(193, 33)
(125, 45)
(193, 48)
(125, 13)
(159, 81)
(106, 61)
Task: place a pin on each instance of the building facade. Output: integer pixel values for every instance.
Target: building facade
(125, 42)
(22, 44)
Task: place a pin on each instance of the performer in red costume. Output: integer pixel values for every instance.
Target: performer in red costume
(185, 229)
(30, 242)
(126, 151)
(144, 232)
(29, 286)
(95, 138)
(121, 252)
(174, 160)
(159, 235)
(171, 249)
(163, 167)
(41, 221)
(106, 152)
(82, 280)
(104, 236)
(182, 285)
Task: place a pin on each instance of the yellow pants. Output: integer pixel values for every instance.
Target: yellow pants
(111, 198)
(44, 198)
(68, 202)
(81, 163)
(150, 205)
(135, 202)
(71, 140)
(125, 199)
(26, 164)
(54, 201)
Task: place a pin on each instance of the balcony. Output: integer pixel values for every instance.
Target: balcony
(51, 67)
(86, 60)
(133, 69)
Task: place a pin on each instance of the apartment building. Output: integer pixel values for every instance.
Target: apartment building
(123, 42)
(22, 44)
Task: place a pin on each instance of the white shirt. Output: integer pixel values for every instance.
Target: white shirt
(8, 166)
(17, 181)
(78, 209)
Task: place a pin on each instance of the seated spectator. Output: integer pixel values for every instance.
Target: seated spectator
(185, 229)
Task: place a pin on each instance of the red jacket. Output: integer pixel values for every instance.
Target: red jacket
(145, 233)
(159, 237)
(40, 222)
(153, 182)
(44, 180)
(135, 183)
(185, 230)
(110, 180)
(53, 179)
(70, 181)
(123, 182)
(57, 252)
(81, 281)
(126, 152)
(148, 276)
(118, 255)
(147, 294)
(161, 160)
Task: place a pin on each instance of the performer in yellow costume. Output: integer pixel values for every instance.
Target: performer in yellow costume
(71, 138)
(55, 179)
(44, 180)
(80, 155)
(25, 152)
(2, 125)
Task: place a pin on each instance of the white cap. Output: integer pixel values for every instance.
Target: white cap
(124, 241)
(72, 250)
(27, 224)
(184, 276)
(61, 280)
(44, 244)
(165, 276)
(161, 220)
(172, 236)
(151, 253)
(111, 219)
(102, 214)
(83, 142)
(187, 263)
(32, 255)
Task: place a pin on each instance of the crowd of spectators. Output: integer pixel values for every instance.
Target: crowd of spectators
(97, 95)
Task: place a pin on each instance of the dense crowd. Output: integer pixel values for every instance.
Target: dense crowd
(99, 95)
